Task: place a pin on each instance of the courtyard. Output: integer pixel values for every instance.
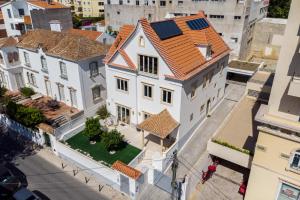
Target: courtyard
(97, 151)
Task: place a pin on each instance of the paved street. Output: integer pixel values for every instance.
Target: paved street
(45, 177)
(193, 158)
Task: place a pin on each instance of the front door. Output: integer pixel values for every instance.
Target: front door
(123, 114)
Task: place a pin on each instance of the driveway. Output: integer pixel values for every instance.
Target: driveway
(193, 158)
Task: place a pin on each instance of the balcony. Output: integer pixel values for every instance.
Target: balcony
(294, 87)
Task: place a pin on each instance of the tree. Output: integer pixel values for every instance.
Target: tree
(92, 128)
(2, 91)
(279, 8)
(112, 140)
(27, 116)
(103, 112)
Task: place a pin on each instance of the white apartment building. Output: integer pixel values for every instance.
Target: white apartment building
(170, 72)
(65, 67)
(21, 15)
(234, 20)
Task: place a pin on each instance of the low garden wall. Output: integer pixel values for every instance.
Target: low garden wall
(20, 130)
(100, 171)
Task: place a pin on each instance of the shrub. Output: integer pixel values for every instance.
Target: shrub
(27, 91)
(112, 140)
(53, 104)
(2, 91)
(27, 116)
(103, 112)
(245, 151)
(92, 128)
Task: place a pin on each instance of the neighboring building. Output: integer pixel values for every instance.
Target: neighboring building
(104, 38)
(275, 171)
(262, 49)
(2, 26)
(21, 16)
(89, 8)
(234, 20)
(165, 77)
(64, 66)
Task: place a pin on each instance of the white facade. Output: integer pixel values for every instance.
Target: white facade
(184, 109)
(15, 12)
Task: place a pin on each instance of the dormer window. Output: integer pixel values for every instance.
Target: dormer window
(205, 51)
(141, 41)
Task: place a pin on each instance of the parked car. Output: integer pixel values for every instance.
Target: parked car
(9, 183)
(25, 194)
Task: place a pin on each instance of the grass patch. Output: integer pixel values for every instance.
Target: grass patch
(97, 151)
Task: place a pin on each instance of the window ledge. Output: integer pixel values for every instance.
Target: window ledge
(64, 77)
(44, 70)
(290, 169)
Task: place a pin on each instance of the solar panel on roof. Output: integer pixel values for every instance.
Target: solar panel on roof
(197, 24)
(166, 29)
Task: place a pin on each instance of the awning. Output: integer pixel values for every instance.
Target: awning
(161, 124)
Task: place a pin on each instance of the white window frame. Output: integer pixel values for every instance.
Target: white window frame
(141, 41)
(146, 89)
(73, 97)
(94, 69)
(288, 184)
(63, 70)
(44, 64)
(26, 59)
(194, 90)
(61, 92)
(147, 64)
(122, 84)
(168, 92)
(95, 98)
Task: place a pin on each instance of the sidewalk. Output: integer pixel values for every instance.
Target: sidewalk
(82, 176)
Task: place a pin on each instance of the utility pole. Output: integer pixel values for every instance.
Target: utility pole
(174, 171)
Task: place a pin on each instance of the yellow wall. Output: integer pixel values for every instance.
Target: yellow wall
(90, 8)
(270, 169)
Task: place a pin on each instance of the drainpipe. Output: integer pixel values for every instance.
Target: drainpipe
(136, 99)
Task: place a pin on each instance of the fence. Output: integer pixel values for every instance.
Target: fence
(138, 158)
(20, 130)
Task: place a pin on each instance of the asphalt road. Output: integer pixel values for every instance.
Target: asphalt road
(45, 177)
(196, 147)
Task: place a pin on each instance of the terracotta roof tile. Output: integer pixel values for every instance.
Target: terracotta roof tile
(46, 5)
(161, 124)
(127, 170)
(92, 35)
(125, 32)
(65, 45)
(7, 42)
(180, 52)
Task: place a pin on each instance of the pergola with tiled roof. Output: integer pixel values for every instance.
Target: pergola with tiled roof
(160, 125)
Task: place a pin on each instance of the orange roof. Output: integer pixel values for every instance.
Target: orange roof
(180, 52)
(46, 5)
(160, 125)
(92, 35)
(127, 170)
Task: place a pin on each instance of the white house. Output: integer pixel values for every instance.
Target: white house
(65, 67)
(21, 15)
(165, 77)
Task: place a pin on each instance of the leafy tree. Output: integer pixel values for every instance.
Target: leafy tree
(92, 128)
(103, 112)
(2, 91)
(112, 140)
(27, 91)
(27, 116)
(279, 8)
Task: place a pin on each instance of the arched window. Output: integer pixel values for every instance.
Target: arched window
(141, 41)
(295, 160)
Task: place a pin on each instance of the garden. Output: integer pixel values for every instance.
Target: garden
(106, 146)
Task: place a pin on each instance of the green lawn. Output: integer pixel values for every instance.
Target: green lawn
(98, 152)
